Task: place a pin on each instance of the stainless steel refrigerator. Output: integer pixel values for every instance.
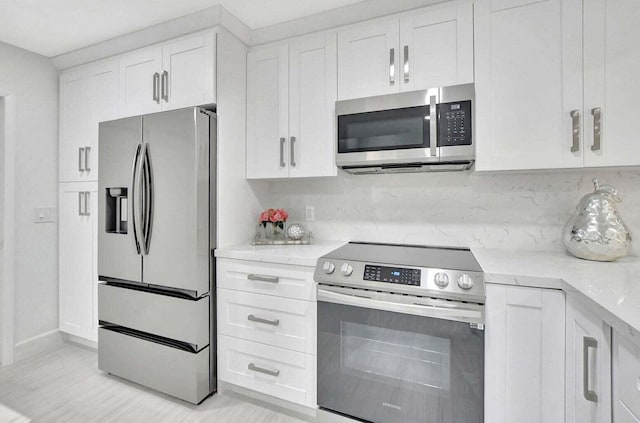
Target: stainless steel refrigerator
(156, 297)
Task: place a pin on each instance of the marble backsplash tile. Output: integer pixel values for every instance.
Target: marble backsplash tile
(523, 210)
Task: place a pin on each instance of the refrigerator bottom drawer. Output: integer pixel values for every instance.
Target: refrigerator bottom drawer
(181, 374)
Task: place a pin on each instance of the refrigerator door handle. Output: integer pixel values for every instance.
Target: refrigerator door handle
(134, 180)
(147, 203)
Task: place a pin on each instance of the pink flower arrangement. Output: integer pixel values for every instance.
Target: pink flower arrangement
(275, 216)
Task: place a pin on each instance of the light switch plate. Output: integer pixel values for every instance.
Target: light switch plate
(44, 214)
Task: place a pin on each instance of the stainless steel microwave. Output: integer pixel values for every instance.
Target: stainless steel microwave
(417, 131)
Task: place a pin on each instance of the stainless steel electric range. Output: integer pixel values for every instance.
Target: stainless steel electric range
(401, 333)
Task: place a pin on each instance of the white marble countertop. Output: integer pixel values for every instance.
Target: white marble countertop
(299, 255)
(611, 290)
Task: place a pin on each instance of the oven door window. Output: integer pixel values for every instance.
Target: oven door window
(395, 129)
(374, 353)
(391, 367)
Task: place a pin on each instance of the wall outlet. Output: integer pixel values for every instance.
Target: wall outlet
(44, 215)
(309, 214)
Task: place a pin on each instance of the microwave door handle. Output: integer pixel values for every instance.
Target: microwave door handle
(433, 126)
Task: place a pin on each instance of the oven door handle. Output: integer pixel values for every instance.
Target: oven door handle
(468, 314)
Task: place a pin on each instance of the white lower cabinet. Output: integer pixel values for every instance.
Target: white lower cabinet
(78, 254)
(588, 377)
(267, 329)
(626, 379)
(524, 355)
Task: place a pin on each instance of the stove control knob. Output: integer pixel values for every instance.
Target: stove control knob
(441, 279)
(328, 267)
(346, 269)
(465, 282)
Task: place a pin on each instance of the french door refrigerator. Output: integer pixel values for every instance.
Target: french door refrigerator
(156, 296)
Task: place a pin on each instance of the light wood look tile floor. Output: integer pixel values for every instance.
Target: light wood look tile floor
(65, 385)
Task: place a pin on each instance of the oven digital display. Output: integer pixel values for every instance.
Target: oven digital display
(399, 275)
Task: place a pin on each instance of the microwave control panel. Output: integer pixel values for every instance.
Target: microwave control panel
(454, 123)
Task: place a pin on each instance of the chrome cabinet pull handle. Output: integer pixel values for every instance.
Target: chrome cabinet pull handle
(263, 278)
(252, 318)
(80, 154)
(255, 368)
(87, 210)
(575, 119)
(86, 158)
(156, 83)
(406, 64)
(80, 203)
(293, 153)
(165, 86)
(392, 66)
(597, 118)
(433, 126)
(282, 141)
(587, 342)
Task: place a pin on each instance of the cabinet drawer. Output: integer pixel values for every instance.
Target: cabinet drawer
(281, 322)
(626, 380)
(281, 373)
(182, 374)
(267, 278)
(175, 318)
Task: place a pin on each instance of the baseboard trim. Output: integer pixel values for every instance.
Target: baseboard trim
(76, 340)
(37, 344)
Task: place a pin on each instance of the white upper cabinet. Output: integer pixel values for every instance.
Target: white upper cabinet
(140, 81)
(556, 95)
(588, 389)
(528, 80)
(421, 49)
(312, 97)
(291, 93)
(88, 95)
(611, 67)
(189, 65)
(368, 60)
(436, 47)
(172, 75)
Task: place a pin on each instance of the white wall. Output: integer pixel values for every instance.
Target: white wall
(33, 81)
(501, 210)
(237, 200)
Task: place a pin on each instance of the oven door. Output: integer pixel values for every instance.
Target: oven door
(394, 358)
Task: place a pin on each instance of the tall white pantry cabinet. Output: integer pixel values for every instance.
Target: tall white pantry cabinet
(174, 74)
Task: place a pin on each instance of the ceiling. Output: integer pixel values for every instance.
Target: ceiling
(54, 27)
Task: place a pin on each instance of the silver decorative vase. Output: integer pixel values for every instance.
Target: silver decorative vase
(596, 231)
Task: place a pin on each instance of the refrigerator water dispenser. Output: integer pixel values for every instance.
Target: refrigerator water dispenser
(116, 210)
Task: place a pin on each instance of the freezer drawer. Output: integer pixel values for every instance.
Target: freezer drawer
(182, 374)
(180, 319)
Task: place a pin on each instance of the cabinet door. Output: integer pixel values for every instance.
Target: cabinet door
(190, 65)
(626, 379)
(268, 112)
(436, 46)
(312, 97)
(102, 86)
(612, 64)
(140, 81)
(524, 350)
(528, 64)
(586, 332)
(77, 258)
(75, 118)
(368, 60)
